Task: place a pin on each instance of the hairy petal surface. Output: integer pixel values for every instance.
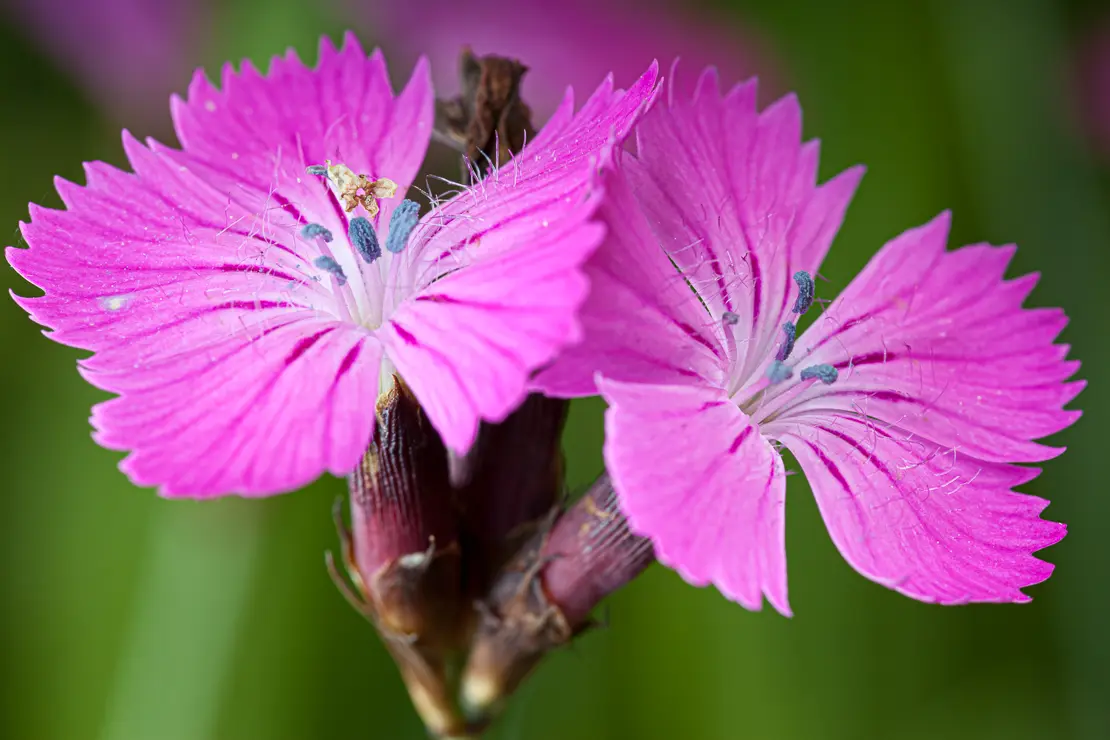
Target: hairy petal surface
(253, 139)
(489, 286)
(262, 130)
(467, 344)
(711, 498)
(641, 322)
(937, 343)
(712, 216)
(239, 365)
(732, 197)
(921, 518)
(276, 412)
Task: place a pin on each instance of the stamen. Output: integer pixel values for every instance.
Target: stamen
(401, 224)
(827, 374)
(806, 290)
(790, 331)
(778, 371)
(316, 169)
(729, 320)
(328, 264)
(344, 299)
(364, 238)
(311, 231)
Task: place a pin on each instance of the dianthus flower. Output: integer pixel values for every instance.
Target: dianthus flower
(906, 402)
(249, 295)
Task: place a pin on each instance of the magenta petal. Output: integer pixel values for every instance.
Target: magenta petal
(905, 401)
(728, 195)
(259, 132)
(732, 196)
(555, 177)
(260, 415)
(467, 344)
(137, 258)
(694, 475)
(942, 379)
(261, 128)
(938, 343)
(923, 519)
(498, 269)
(640, 320)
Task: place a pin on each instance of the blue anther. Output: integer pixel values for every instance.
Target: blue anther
(364, 238)
(328, 264)
(806, 291)
(311, 231)
(789, 332)
(728, 318)
(401, 224)
(778, 371)
(827, 374)
(316, 169)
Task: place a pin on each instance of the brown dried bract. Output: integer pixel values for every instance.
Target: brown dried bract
(487, 121)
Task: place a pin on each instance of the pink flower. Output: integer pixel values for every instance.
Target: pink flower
(569, 42)
(905, 402)
(247, 320)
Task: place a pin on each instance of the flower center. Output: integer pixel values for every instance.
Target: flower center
(762, 398)
(355, 269)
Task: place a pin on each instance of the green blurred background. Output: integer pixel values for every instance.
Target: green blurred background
(127, 617)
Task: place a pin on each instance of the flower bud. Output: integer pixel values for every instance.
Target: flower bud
(544, 597)
(403, 556)
(512, 479)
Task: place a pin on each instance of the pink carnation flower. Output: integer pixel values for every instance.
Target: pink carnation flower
(247, 307)
(905, 402)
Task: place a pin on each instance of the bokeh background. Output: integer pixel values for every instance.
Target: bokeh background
(127, 617)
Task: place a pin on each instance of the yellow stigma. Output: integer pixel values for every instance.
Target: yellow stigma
(354, 190)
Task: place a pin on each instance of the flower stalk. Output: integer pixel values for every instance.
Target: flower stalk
(543, 598)
(402, 554)
(450, 554)
(487, 576)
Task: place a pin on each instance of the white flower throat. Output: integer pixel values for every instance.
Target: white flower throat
(351, 192)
